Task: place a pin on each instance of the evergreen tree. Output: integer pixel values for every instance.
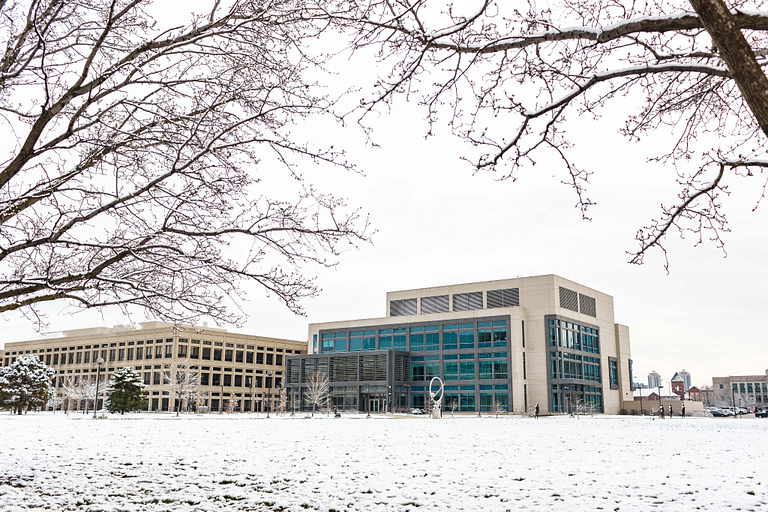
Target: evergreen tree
(26, 384)
(126, 391)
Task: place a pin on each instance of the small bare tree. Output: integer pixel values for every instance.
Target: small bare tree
(87, 392)
(499, 408)
(183, 381)
(233, 403)
(317, 391)
(54, 402)
(282, 400)
(70, 392)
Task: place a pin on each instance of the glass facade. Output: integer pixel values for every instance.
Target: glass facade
(574, 370)
(462, 352)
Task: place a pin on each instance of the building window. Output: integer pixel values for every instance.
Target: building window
(228, 355)
(239, 356)
(369, 340)
(524, 371)
(217, 354)
(467, 400)
(450, 367)
(112, 354)
(484, 334)
(485, 365)
(500, 333)
(500, 370)
(169, 351)
(183, 351)
(431, 367)
(249, 357)
(130, 354)
(147, 378)
(270, 359)
(205, 379)
(156, 378)
(385, 339)
(216, 379)
(467, 367)
(158, 352)
(121, 354)
(398, 339)
(450, 337)
(195, 353)
(259, 357)
(238, 381)
(432, 337)
(486, 400)
(417, 368)
(227, 380)
(613, 372)
(467, 336)
(417, 339)
(356, 341)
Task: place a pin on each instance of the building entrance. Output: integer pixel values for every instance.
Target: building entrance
(377, 403)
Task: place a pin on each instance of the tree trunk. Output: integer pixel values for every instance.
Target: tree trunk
(737, 54)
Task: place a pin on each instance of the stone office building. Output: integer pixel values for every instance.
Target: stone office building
(514, 343)
(250, 368)
(740, 391)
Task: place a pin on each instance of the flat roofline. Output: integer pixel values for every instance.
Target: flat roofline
(496, 281)
(189, 331)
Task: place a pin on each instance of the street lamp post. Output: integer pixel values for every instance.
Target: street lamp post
(733, 401)
(641, 401)
(99, 363)
(269, 394)
(661, 406)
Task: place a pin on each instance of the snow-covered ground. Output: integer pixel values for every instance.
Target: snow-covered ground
(232, 463)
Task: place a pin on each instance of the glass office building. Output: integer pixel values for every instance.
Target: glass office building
(506, 344)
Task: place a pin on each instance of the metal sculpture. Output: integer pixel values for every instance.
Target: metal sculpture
(436, 402)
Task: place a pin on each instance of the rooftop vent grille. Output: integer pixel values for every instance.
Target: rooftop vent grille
(503, 298)
(569, 299)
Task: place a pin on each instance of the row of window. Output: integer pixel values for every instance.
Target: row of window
(466, 400)
(574, 336)
(749, 387)
(460, 367)
(139, 354)
(150, 342)
(158, 378)
(564, 365)
(418, 339)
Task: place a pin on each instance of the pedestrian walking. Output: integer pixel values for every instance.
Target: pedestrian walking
(661, 410)
(536, 412)
(670, 411)
(682, 411)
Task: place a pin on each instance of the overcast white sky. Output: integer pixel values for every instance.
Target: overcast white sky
(437, 224)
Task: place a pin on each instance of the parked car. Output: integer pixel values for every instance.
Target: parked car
(761, 414)
(416, 411)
